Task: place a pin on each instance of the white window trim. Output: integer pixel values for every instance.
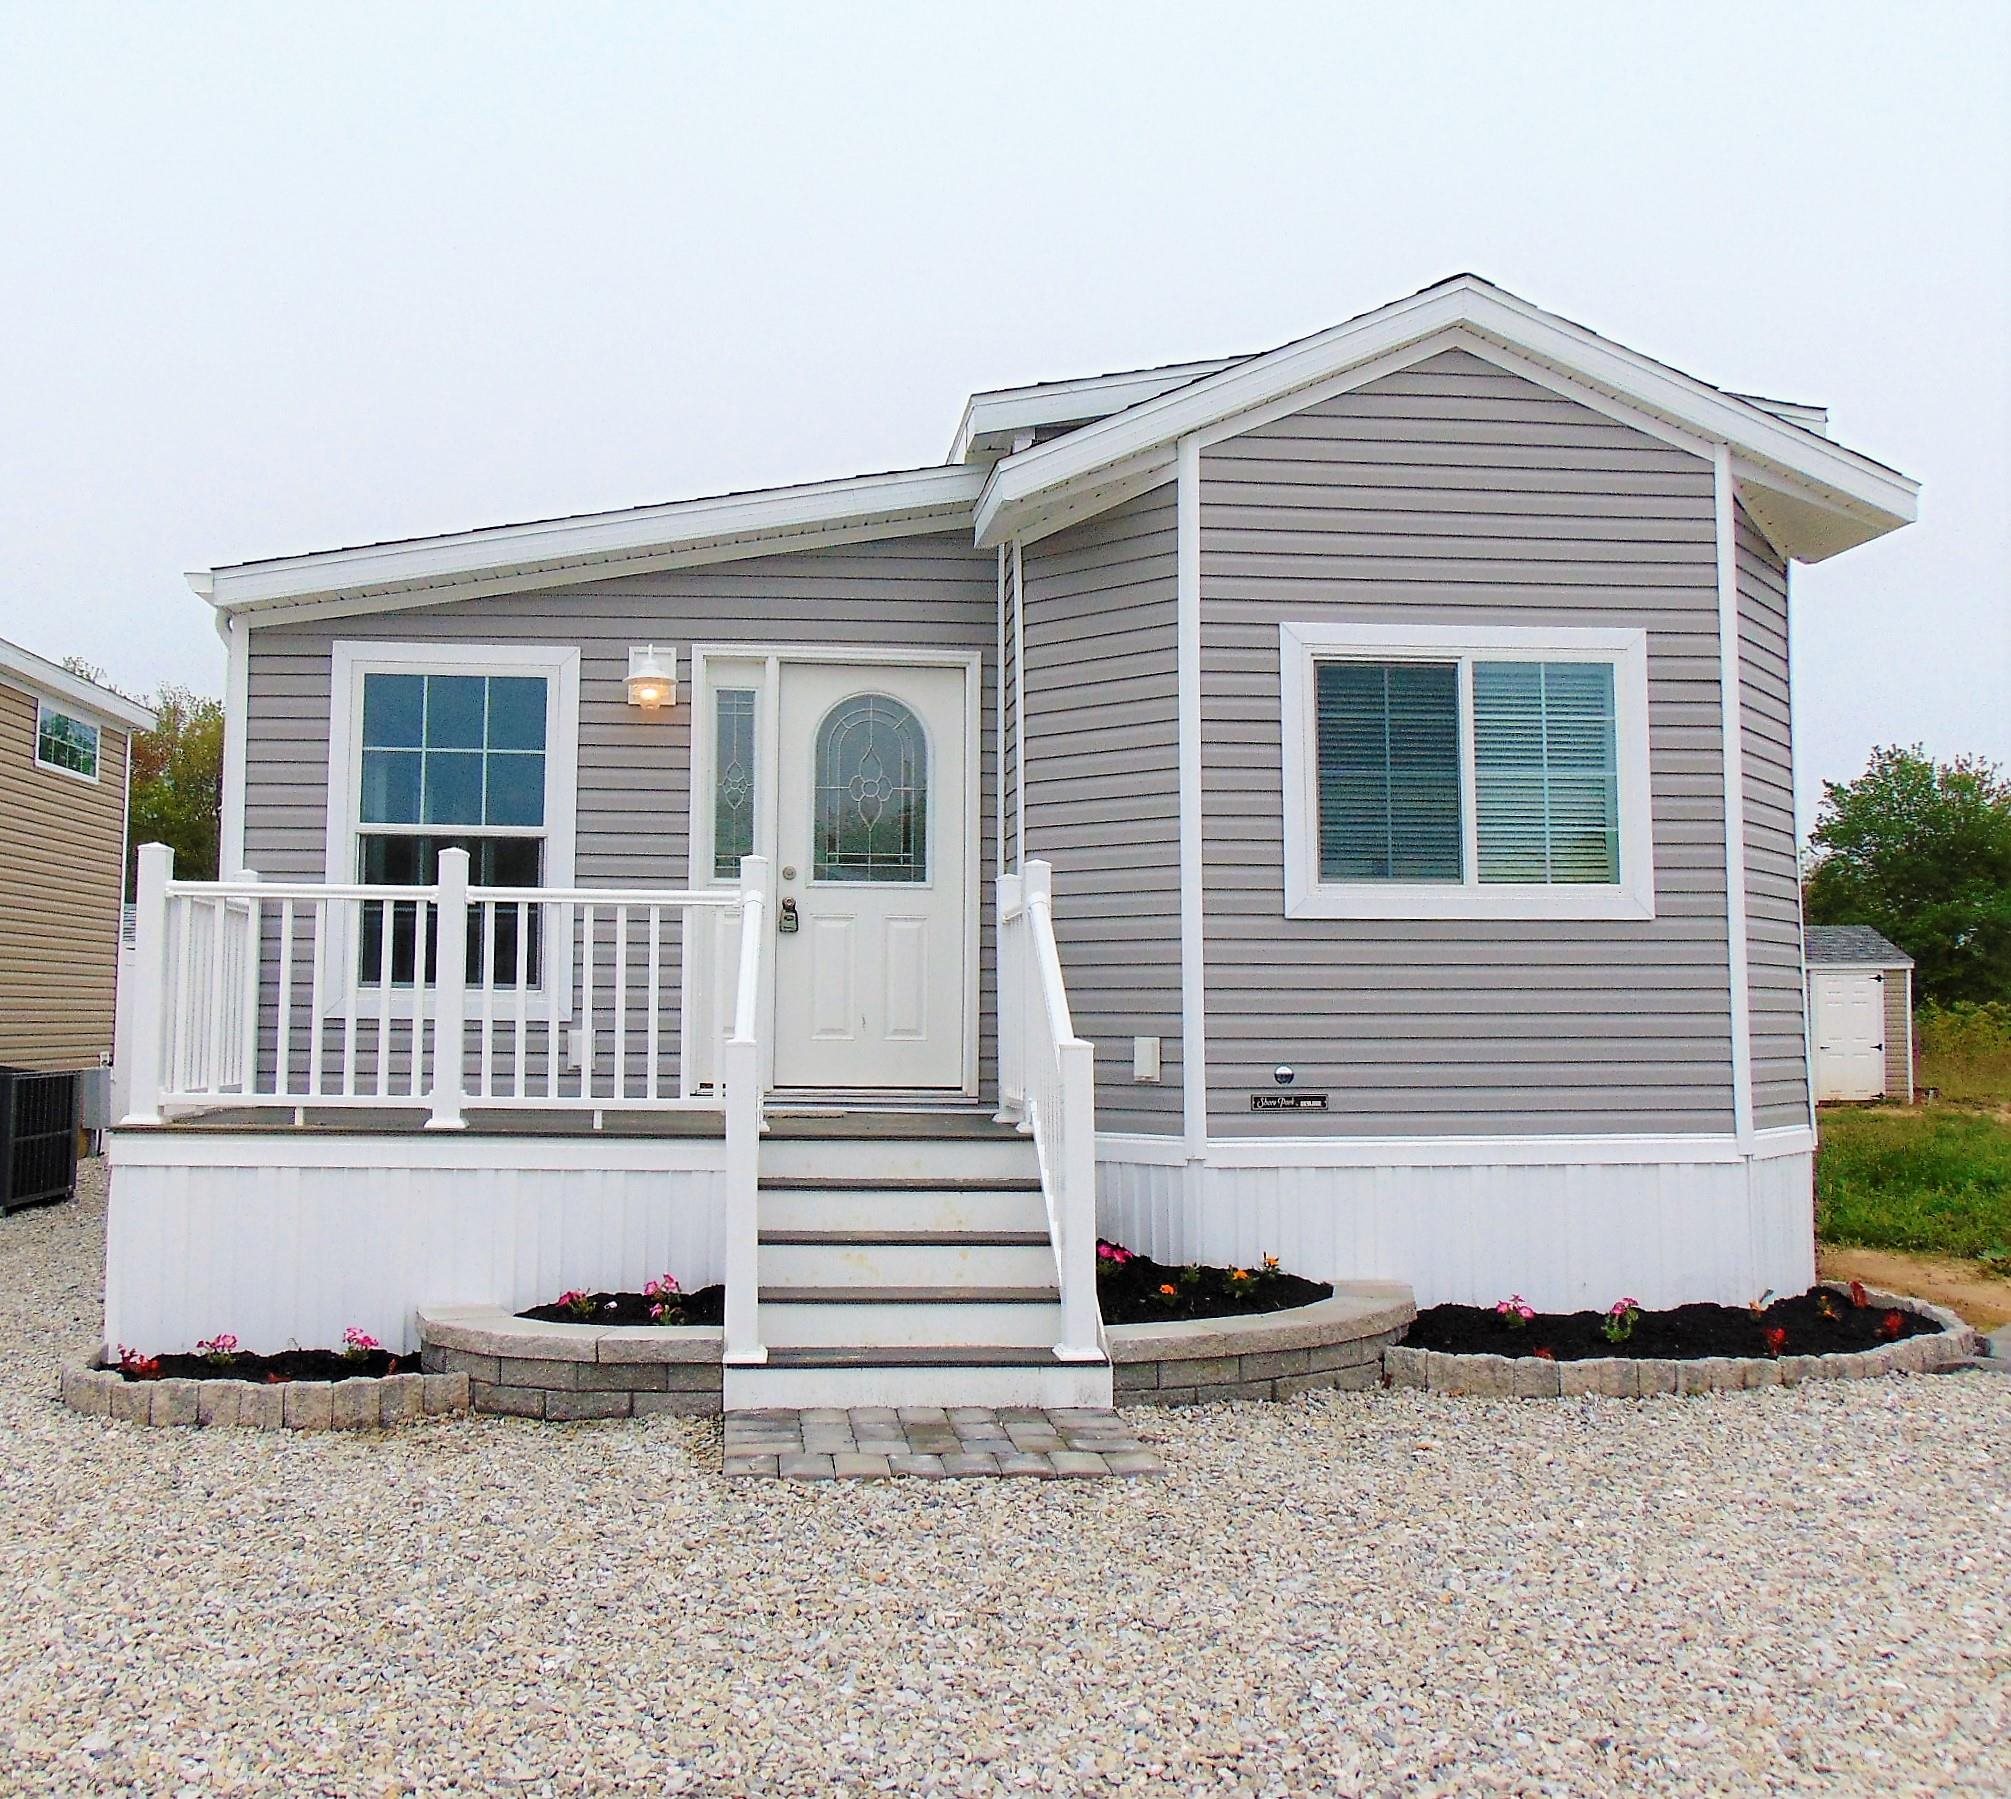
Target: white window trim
(1301, 644)
(42, 710)
(349, 662)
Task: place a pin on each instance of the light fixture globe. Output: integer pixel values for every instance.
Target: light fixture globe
(652, 677)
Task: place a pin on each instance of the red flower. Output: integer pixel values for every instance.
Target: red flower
(1775, 1339)
(1858, 1296)
(1542, 1354)
(1891, 1325)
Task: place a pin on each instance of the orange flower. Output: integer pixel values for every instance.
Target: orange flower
(1168, 1289)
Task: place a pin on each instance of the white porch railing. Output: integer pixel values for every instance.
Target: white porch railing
(1047, 1080)
(436, 998)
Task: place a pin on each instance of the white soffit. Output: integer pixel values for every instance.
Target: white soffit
(426, 571)
(1814, 497)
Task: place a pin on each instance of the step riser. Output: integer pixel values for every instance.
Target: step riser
(796, 1210)
(800, 1388)
(786, 1325)
(905, 1265)
(897, 1159)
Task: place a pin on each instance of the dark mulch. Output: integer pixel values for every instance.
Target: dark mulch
(1679, 1333)
(288, 1365)
(706, 1306)
(1135, 1291)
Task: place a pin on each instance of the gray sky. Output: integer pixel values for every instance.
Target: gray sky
(279, 278)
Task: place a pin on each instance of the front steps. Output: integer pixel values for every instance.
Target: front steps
(904, 1261)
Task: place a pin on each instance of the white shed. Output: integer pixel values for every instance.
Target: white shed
(1860, 1012)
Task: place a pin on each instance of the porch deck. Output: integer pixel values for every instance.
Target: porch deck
(893, 1120)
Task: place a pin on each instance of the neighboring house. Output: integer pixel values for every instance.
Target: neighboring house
(1402, 715)
(65, 752)
(1861, 1013)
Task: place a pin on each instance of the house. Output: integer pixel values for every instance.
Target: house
(1860, 1013)
(1334, 802)
(65, 758)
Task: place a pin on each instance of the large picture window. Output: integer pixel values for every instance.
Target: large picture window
(1453, 773)
(452, 747)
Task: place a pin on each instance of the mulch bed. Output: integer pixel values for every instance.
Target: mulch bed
(1134, 1289)
(272, 1370)
(706, 1306)
(1682, 1333)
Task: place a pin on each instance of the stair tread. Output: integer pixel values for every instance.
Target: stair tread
(919, 1185)
(909, 1239)
(910, 1296)
(944, 1355)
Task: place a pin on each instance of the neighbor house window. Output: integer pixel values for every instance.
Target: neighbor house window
(455, 748)
(66, 742)
(1443, 773)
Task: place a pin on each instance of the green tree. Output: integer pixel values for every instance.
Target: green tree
(178, 783)
(1921, 851)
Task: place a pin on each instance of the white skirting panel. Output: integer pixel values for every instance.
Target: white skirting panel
(202, 1240)
(1566, 1236)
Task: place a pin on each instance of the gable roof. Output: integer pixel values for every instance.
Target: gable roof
(1851, 946)
(1812, 496)
(51, 681)
(1088, 443)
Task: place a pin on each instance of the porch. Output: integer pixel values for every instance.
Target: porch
(343, 1104)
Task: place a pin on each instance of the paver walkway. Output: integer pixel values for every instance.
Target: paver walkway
(929, 1443)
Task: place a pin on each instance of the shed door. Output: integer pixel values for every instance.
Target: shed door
(1849, 1006)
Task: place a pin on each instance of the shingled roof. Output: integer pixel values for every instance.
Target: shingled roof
(1851, 946)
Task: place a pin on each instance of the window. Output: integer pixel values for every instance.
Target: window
(732, 781)
(872, 793)
(449, 746)
(65, 742)
(1493, 772)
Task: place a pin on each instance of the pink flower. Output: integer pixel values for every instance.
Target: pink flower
(1514, 1310)
(663, 1287)
(220, 1348)
(356, 1341)
(1620, 1307)
(1113, 1253)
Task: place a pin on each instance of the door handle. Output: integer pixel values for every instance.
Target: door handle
(786, 921)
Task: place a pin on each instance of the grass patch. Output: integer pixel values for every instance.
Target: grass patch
(1965, 1051)
(1931, 1181)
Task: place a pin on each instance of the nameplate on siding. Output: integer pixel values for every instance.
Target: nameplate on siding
(1288, 1102)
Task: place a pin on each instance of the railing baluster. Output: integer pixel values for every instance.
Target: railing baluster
(553, 970)
(655, 994)
(216, 1048)
(587, 1003)
(421, 970)
(316, 997)
(185, 1025)
(386, 964)
(249, 953)
(488, 1022)
(282, 1048)
(620, 1004)
(523, 986)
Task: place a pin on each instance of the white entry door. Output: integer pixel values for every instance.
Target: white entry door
(1849, 1008)
(871, 837)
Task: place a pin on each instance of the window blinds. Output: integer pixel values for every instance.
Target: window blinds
(1546, 772)
(1388, 748)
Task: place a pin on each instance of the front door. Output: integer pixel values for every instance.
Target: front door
(871, 835)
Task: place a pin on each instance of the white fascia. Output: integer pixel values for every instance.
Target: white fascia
(597, 546)
(994, 418)
(1853, 497)
(72, 693)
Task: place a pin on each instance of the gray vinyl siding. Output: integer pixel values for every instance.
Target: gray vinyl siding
(634, 804)
(1453, 492)
(1773, 892)
(1103, 788)
(1009, 700)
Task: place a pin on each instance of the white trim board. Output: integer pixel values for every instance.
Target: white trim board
(1615, 1150)
(596, 546)
(477, 1150)
(1193, 950)
(1731, 708)
(51, 681)
(1302, 645)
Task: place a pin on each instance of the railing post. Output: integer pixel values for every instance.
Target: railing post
(743, 1077)
(450, 991)
(1076, 1211)
(1011, 916)
(147, 1018)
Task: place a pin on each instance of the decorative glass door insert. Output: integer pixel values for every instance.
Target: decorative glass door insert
(872, 788)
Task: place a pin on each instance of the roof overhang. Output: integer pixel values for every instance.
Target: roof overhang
(1812, 496)
(427, 571)
(993, 420)
(51, 681)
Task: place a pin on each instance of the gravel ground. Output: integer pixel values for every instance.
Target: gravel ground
(1803, 1590)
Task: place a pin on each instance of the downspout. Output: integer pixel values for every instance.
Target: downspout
(1730, 699)
(1193, 970)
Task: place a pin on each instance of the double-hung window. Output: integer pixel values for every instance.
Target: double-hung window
(1466, 773)
(64, 741)
(443, 747)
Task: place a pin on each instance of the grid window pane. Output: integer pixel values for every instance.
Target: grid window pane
(516, 712)
(455, 709)
(391, 787)
(1387, 737)
(394, 711)
(1546, 770)
(453, 787)
(732, 781)
(516, 789)
(66, 742)
(454, 750)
